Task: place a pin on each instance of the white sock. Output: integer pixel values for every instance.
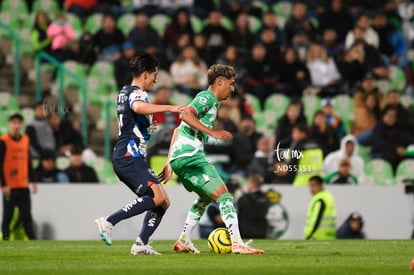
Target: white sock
(229, 216)
(190, 222)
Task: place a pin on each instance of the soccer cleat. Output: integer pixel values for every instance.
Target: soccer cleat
(180, 247)
(237, 248)
(105, 228)
(140, 249)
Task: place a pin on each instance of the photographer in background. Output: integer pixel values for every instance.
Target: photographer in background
(351, 228)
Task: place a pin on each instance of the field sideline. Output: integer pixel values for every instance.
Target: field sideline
(282, 257)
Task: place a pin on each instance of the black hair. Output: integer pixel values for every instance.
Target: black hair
(76, 150)
(302, 128)
(389, 108)
(16, 116)
(48, 154)
(143, 62)
(317, 178)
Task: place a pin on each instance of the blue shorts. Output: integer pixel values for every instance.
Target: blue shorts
(136, 174)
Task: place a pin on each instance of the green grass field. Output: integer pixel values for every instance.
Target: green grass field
(282, 257)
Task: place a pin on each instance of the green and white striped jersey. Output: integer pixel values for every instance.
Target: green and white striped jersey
(189, 140)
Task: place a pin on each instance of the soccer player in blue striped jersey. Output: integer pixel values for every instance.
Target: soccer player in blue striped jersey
(129, 156)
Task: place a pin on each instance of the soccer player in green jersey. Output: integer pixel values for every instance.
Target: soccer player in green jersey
(188, 160)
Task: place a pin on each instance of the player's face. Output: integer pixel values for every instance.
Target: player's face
(314, 187)
(227, 87)
(15, 126)
(150, 80)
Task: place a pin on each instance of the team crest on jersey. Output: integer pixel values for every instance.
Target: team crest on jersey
(202, 100)
(151, 172)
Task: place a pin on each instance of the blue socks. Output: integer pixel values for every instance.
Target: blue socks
(151, 221)
(133, 208)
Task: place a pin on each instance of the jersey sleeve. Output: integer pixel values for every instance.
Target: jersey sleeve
(202, 103)
(137, 96)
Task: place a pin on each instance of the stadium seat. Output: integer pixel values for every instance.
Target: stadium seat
(277, 103)
(265, 122)
(62, 162)
(76, 68)
(29, 20)
(76, 24)
(283, 8)
(157, 162)
(311, 104)
(12, 21)
(405, 170)
(97, 92)
(271, 117)
(260, 4)
(283, 11)
(159, 22)
(344, 105)
(15, 7)
(196, 23)
(254, 24)
(364, 152)
(104, 71)
(260, 121)
(105, 171)
(27, 113)
(93, 22)
(379, 172)
(50, 6)
(407, 101)
(126, 23)
(26, 48)
(254, 102)
(128, 5)
(178, 98)
(8, 102)
(397, 79)
(227, 23)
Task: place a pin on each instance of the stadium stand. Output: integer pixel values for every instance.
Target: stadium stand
(379, 172)
(101, 84)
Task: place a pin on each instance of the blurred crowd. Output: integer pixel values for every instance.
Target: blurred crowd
(323, 48)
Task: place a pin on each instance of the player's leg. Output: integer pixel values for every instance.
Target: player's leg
(9, 203)
(128, 171)
(219, 193)
(24, 204)
(191, 174)
(184, 244)
(151, 221)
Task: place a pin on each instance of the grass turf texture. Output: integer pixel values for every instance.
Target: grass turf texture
(282, 257)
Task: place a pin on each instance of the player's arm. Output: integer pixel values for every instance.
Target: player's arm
(32, 176)
(4, 187)
(143, 108)
(189, 116)
(2, 153)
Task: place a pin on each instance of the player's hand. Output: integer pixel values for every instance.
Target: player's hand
(177, 109)
(165, 174)
(222, 134)
(34, 188)
(6, 191)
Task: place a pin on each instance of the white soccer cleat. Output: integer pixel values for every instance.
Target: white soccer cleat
(189, 247)
(140, 249)
(237, 248)
(104, 228)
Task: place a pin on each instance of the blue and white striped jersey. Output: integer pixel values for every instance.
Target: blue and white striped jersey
(134, 129)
